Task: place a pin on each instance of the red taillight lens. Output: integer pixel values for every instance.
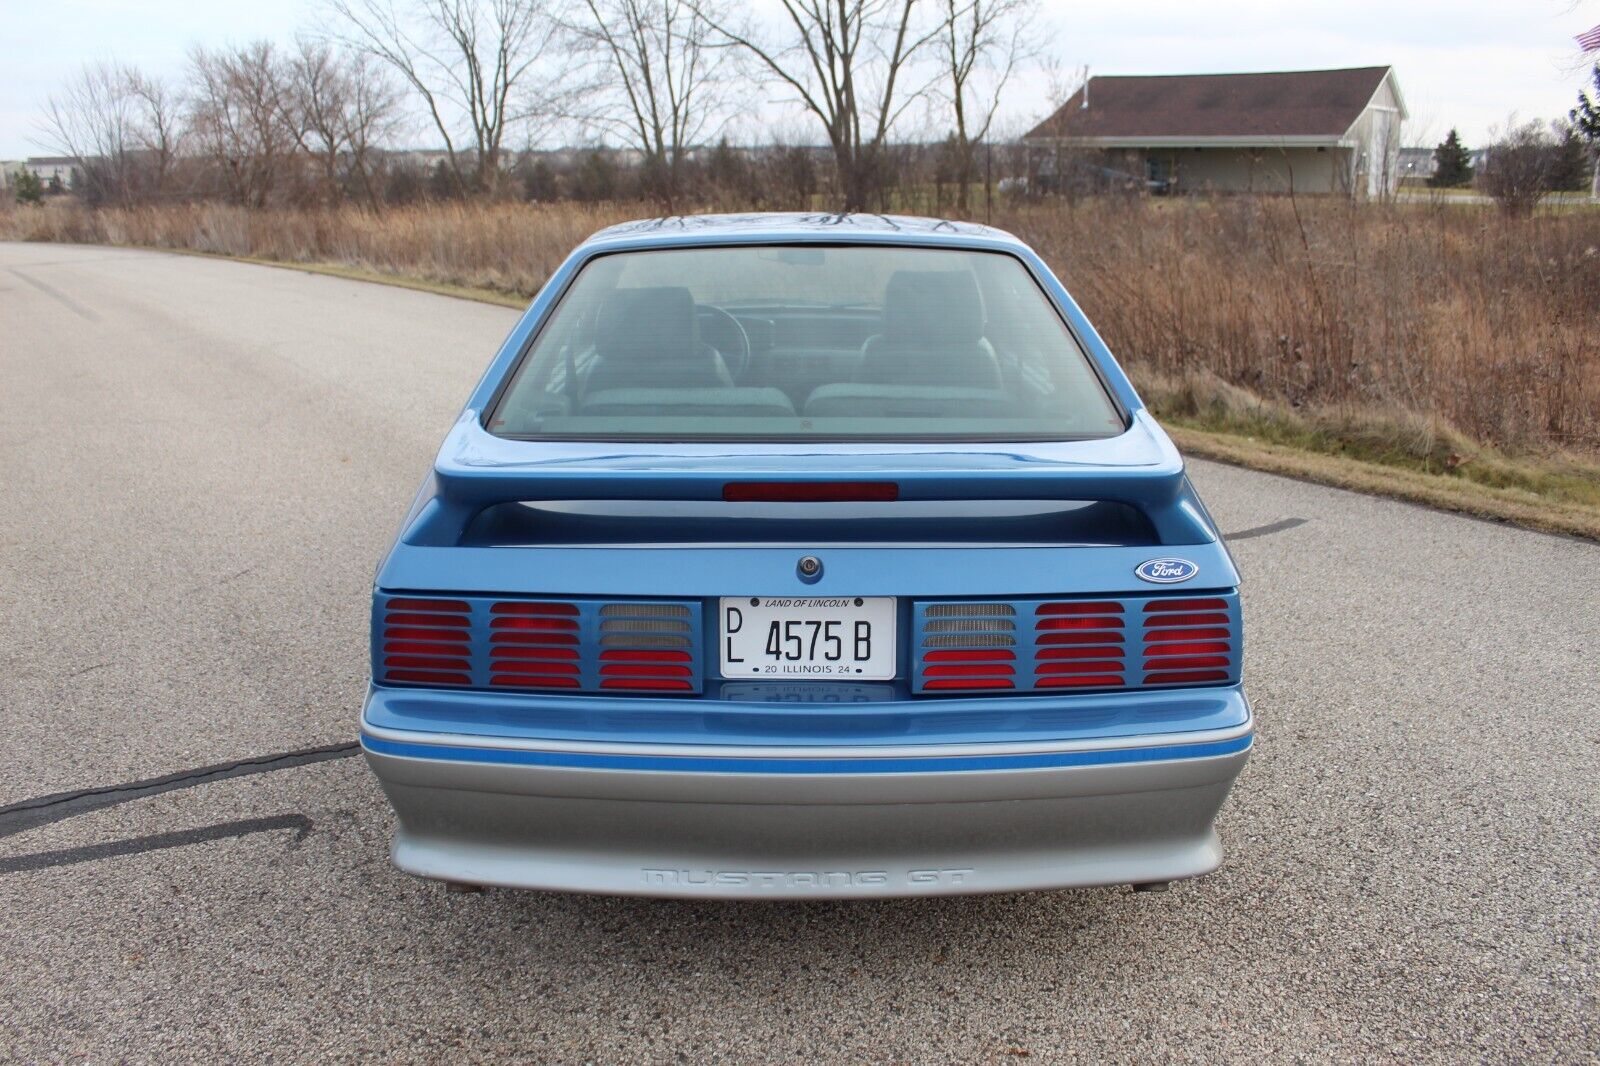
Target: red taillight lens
(648, 684)
(1183, 677)
(1187, 641)
(969, 655)
(534, 644)
(1162, 606)
(1081, 666)
(1081, 681)
(967, 682)
(1080, 644)
(645, 655)
(980, 669)
(426, 642)
(1108, 607)
(1046, 624)
(1167, 621)
(811, 491)
(404, 604)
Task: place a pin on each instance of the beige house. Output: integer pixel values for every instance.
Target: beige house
(52, 170)
(1321, 131)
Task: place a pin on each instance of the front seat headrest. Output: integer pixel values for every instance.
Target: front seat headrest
(933, 327)
(650, 338)
(933, 308)
(644, 325)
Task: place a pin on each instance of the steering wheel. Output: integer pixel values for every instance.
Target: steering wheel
(717, 325)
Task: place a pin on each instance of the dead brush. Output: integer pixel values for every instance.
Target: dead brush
(1449, 315)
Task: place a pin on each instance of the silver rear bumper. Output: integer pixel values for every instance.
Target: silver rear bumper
(710, 821)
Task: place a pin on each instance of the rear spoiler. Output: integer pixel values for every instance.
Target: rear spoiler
(476, 470)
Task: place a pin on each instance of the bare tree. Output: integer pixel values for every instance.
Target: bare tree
(481, 67)
(845, 61)
(373, 116)
(159, 130)
(340, 105)
(241, 117)
(315, 106)
(1060, 83)
(92, 121)
(121, 128)
(658, 56)
(1051, 165)
(981, 44)
(1516, 168)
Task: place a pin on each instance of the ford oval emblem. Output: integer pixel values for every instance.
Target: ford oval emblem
(1166, 571)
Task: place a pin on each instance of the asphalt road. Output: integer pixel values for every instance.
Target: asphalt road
(200, 463)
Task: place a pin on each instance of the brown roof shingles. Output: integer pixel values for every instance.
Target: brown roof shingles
(1300, 103)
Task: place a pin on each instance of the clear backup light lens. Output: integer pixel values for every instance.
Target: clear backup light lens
(968, 646)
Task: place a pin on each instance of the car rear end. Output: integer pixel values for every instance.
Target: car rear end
(757, 668)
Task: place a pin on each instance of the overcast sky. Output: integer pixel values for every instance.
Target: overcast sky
(1466, 63)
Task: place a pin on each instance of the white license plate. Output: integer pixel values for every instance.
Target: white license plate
(845, 637)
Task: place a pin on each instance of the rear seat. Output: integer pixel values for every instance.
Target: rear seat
(730, 402)
(905, 401)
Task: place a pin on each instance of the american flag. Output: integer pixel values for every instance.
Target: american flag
(1590, 41)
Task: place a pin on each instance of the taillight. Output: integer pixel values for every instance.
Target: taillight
(968, 646)
(532, 645)
(1187, 641)
(426, 641)
(1033, 646)
(811, 491)
(1079, 644)
(647, 646)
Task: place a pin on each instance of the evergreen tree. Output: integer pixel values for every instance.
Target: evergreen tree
(1452, 165)
(1586, 116)
(442, 183)
(1586, 124)
(726, 168)
(538, 180)
(1569, 162)
(29, 189)
(596, 179)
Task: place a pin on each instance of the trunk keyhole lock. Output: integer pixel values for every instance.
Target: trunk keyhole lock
(809, 569)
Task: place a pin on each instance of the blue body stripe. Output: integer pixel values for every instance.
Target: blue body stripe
(736, 765)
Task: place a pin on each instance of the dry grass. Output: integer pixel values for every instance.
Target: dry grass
(507, 248)
(1454, 325)
(1479, 324)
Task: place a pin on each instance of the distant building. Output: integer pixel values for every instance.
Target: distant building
(1420, 164)
(421, 158)
(53, 171)
(1417, 164)
(1317, 131)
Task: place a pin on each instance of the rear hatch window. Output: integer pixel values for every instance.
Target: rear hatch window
(767, 343)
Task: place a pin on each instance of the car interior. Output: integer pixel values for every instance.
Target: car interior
(657, 352)
(929, 349)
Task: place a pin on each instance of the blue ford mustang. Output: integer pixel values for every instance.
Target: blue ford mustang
(806, 555)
